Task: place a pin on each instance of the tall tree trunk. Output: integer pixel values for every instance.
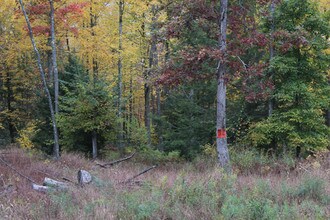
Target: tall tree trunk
(56, 149)
(95, 70)
(223, 154)
(50, 76)
(152, 64)
(94, 144)
(147, 111)
(131, 100)
(54, 56)
(120, 77)
(271, 52)
(328, 111)
(159, 112)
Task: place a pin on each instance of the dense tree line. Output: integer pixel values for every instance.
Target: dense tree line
(144, 74)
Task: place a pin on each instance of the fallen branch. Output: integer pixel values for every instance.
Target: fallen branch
(19, 173)
(68, 180)
(115, 162)
(139, 174)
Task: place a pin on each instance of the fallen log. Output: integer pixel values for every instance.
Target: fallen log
(40, 188)
(55, 184)
(139, 174)
(115, 162)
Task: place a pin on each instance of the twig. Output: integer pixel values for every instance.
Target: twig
(68, 180)
(115, 162)
(12, 168)
(139, 174)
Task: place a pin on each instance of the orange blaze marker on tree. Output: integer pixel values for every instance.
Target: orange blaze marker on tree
(221, 133)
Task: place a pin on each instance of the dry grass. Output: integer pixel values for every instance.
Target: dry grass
(172, 191)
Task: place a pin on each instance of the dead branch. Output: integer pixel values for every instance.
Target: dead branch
(68, 180)
(139, 174)
(115, 162)
(14, 169)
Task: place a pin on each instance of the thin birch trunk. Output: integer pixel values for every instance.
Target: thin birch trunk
(271, 52)
(120, 76)
(56, 151)
(54, 56)
(223, 154)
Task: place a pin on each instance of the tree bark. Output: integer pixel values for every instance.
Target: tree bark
(56, 148)
(223, 154)
(271, 52)
(153, 61)
(94, 144)
(54, 56)
(120, 76)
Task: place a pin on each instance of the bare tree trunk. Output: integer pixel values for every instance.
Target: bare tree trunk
(94, 144)
(223, 154)
(50, 76)
(131, 99)
(159, 112)
(147, 111)
(120, 76)
(54, 57)
(56, 151)
(271, 52)
(152, 63)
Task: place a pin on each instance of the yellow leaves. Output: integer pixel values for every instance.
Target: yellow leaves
(25, 136)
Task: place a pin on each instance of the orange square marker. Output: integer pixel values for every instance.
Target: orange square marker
(221, 133)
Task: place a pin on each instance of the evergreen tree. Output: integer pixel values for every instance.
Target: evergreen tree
(87, 116)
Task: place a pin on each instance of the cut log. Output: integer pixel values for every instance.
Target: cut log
(54, 183)
(84, 177)
(40, 188)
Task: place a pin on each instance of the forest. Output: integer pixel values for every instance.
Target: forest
(217, 96)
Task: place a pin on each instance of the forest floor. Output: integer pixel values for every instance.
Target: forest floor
(173, 190)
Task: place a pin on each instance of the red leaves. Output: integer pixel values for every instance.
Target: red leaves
(73, 8)
(64, 16)
(256, 86)
(190, 65)
(285, 41)
(39, 30)
(40, 9)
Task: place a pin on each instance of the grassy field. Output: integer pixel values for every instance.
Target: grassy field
(259, 188)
